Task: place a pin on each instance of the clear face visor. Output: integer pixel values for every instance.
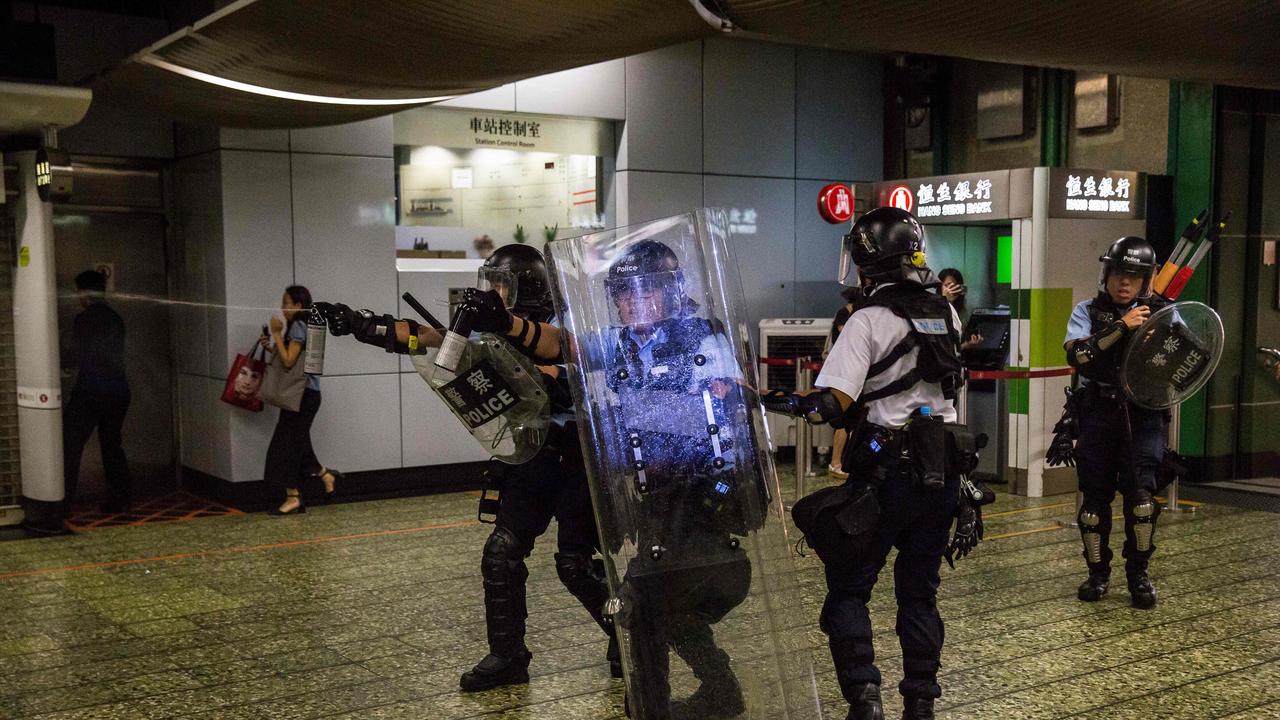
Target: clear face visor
(645, 299)
(848, 272)
(1139, 279)
(501, 281)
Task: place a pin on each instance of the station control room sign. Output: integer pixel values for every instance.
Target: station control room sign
(948, 198)
(523, 132)
(1098, 194)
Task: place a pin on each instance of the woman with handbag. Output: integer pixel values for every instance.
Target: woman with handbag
(290, 456)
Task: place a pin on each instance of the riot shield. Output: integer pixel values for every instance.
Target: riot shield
(704, 592)
(1172, 355)
(496, 394)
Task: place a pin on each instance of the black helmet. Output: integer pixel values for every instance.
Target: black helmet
(1129, 254)
(651, 269)
(887, 245)
(528, 268)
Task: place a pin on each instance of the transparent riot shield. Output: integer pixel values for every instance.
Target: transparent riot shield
(496, 394)
(1172, 355)
(704, 591)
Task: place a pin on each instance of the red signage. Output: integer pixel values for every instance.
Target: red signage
(900, 197)
(835, 203)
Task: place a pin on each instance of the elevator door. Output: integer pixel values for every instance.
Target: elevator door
(132, 246)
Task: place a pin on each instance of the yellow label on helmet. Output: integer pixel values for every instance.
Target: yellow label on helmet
(917, 258)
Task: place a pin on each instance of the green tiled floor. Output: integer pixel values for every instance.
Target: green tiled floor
(372, 610)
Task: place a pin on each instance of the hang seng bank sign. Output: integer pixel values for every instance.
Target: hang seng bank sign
(1096, 194)
(949, 198)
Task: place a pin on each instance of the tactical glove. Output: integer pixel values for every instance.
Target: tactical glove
(968, 531)
(488, 310)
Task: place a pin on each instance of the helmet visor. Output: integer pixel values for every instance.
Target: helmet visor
(1125, 284)
(645, 299)
(501, 281)
(847, 274)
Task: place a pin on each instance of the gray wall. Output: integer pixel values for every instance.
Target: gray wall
(731, 123)
(743, 124)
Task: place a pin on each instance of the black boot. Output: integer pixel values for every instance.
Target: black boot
(864, 702)
(1097, 584)
(917, 708)
(495, 671)
(719, 695)
(1142, 594)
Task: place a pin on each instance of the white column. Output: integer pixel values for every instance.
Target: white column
(35, 320)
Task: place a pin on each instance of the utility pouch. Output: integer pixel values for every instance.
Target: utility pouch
(962, 448)
(875, 444)
(494, 478)
(837, 521)
(927, 445)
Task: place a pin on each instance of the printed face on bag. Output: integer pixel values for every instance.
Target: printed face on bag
(247, 383)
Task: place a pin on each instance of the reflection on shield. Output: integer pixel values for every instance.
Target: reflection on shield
(496, 394)
(684, 488)
(1172, 355)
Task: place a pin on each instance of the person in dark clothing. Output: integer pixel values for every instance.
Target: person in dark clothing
(100, 397)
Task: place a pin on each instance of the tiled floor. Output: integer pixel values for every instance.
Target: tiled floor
(372, 610)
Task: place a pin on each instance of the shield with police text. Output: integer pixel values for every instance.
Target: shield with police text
(496, 394)
(697, 554)
(1172, 355)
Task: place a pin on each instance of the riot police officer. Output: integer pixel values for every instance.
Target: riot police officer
(552, 484)
(677, 425)
(890, 379)
(1121, 445)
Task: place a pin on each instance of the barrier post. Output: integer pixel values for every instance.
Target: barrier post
(803, 437)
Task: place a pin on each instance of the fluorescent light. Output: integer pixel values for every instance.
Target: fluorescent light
(283, 94)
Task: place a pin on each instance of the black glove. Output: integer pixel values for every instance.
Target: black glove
(1062, 449)
(781, 401)
(362, 324)
(489, 312)
(968, 532)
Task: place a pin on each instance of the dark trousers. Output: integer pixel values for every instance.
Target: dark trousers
(290, 457)
(84, 411)
(552, 484)
(1106, 462)
(917, 522)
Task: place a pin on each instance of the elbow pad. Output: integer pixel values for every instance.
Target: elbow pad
(1083, 352)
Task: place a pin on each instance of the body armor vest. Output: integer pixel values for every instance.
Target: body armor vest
(1103, 312)
(931, 329)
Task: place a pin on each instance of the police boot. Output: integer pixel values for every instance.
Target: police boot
(719, 695)
(504, 572)
(1142, 594)
(864, 702)
(1096, 585)
(917, 708)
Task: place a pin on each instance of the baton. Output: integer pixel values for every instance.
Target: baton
(417, 307)
(1180, 280)
(1174, 263)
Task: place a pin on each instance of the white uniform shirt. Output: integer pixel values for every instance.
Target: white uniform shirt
(868, 337)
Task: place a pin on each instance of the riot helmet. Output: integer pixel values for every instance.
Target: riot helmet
(886, 245)
(1131, 255)
(519, 274)
(646, 284)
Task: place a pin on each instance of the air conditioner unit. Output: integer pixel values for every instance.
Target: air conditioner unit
(791, 338)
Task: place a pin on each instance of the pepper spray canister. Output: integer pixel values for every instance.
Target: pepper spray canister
(313, 360)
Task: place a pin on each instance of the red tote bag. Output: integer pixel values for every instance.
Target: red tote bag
(245, 379)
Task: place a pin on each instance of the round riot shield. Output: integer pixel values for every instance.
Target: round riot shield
(1172, 355)
(496, 394)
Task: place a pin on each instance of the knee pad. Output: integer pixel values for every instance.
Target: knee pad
(1091, 520)
(580, 573)
(1140, 513)
(504, 552)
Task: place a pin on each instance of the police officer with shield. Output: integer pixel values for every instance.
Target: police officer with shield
(1121, 445)
(890, 379)
(552, 484)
